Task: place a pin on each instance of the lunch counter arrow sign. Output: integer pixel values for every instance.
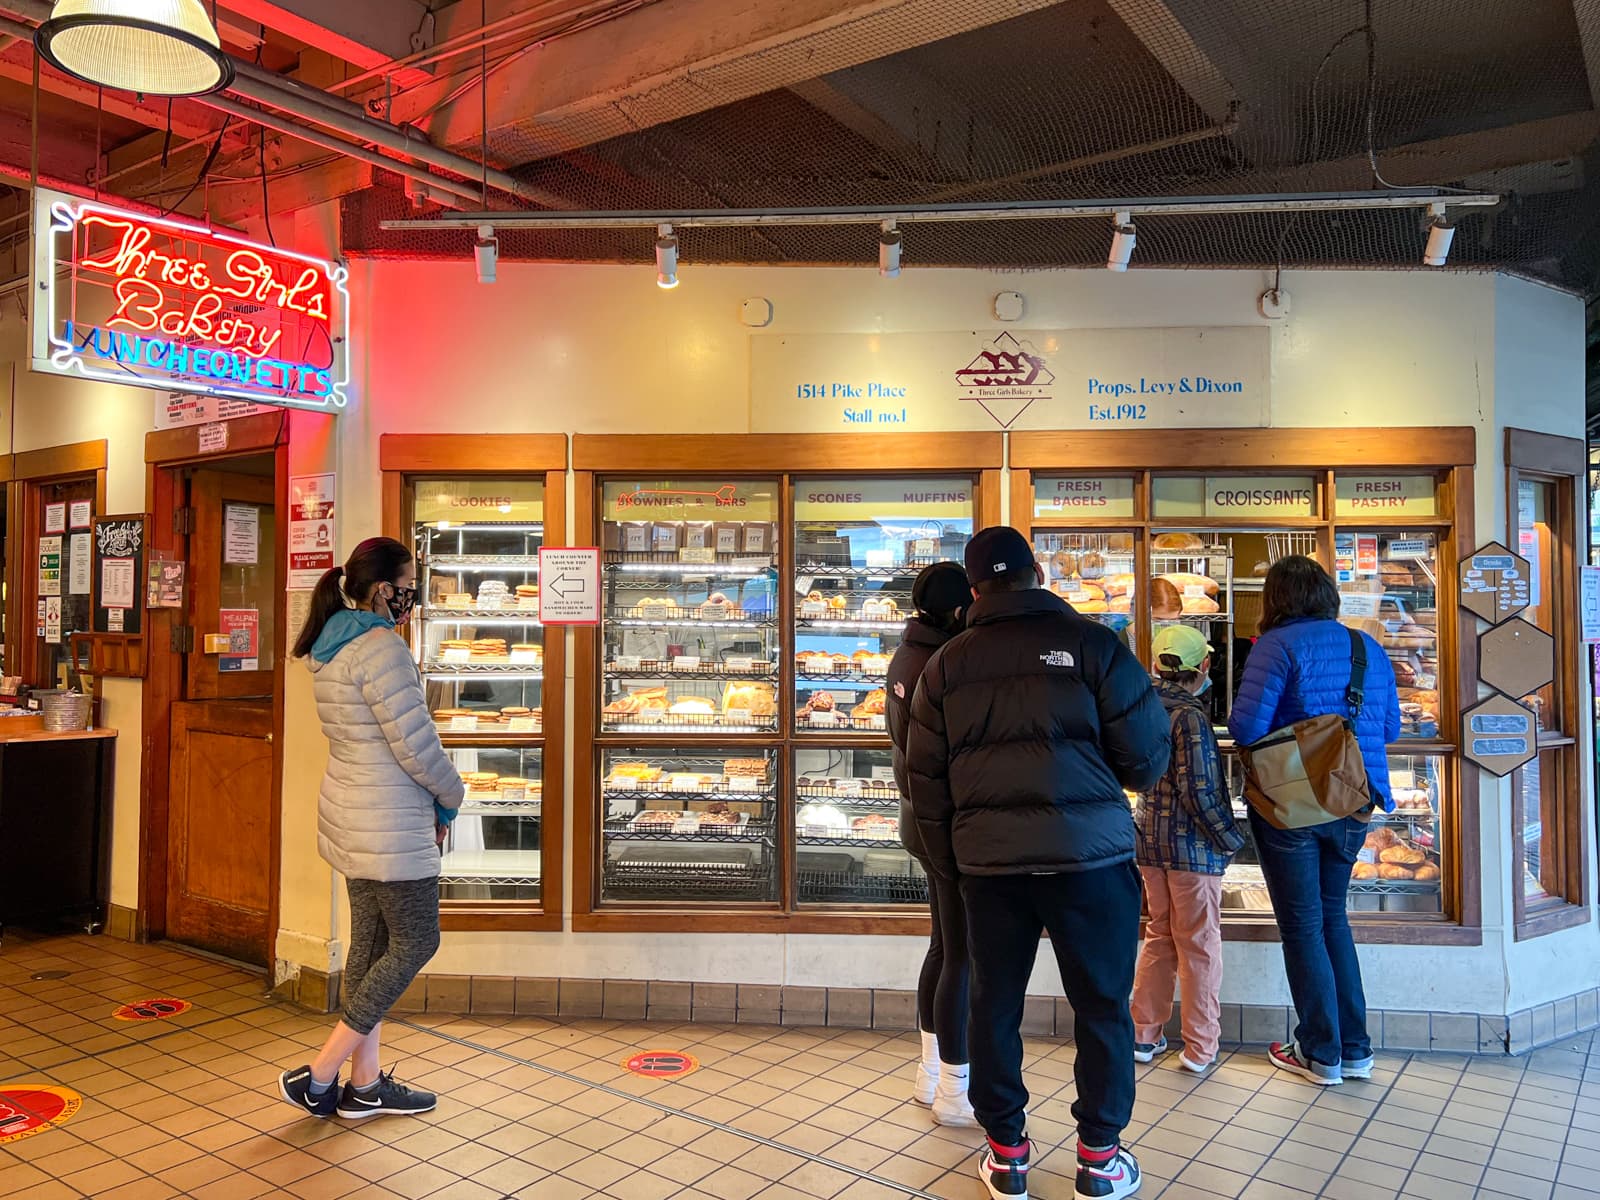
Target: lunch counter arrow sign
(570, 585)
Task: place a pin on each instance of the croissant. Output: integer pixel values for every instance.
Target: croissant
(1391, 871)
(1405, 856)
(1364, 871)
(1427, 871)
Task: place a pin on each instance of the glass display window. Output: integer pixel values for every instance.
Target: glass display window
(1193, 582)
(1094, 572)
(847, 830)
(494, 849)
(690, 606)
(478, 639)
(1389, 588)
(859, 543)
(689, 823)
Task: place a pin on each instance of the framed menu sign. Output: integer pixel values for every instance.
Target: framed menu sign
(1495, 583)
(1499, 735)
(118, 574)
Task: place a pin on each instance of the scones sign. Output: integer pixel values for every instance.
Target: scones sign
(164, 303)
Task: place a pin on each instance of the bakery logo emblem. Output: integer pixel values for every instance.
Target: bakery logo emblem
(119, 539)
(1005, 379)
(1058, 658)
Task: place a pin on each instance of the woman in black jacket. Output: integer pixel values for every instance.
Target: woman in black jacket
(940, 597)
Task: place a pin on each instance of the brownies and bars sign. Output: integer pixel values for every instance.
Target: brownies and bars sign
(165, 303)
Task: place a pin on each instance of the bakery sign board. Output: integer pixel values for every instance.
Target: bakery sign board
(923, 498)
(447, 503)
(569, 585)
(1100, 497)
(1499, 735)
(160, 302)
(1386, 495)
(1208, 377)
(1495, 583)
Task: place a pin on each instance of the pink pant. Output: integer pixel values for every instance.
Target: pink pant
(1182, 943)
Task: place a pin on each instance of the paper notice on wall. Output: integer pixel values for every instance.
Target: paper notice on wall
(185, 408)
(299, 610)
(214, 437)
(311, 529)
(1528, 537)
(241, 534)
(50, 566)
(80, 558)
(116, 583)
(55, 517)
(39, 623)
(243, 629)
(114, 621)
(82, 514)
(52, 618)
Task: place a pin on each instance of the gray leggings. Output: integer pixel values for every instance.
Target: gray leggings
(394, 931)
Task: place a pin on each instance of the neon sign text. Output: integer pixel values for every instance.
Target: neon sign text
(164, 303)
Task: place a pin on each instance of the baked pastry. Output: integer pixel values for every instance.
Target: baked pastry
(1121, 604)
(479, 780)
(874, 826)
(456, 600)
(723, 818)
(1089, 606)
(1393, 871)
(1403, 855)
(1191, 584)
(1166, 601)
(637, 701)
(449, 714)
(1261, 568)
(838, 603)
(747, 768)
(527, 591)
(516, 712)
(656, 817)
(693, 706)
(1364, 871)
(814, 606)
(716, 605)
(1117, 585)
(1394, 574)
(758, 699)
(1381, 839)
(872, 704)
(1120, 543)
(1092, 565)
(1178, 541)
(655, 606)
(1199, 605)
(820, 702)
(1085, 590)
(1427, 871)
(860, 656)
(1063, 565)
(1405, 673)
(880, 608)
(875, 664)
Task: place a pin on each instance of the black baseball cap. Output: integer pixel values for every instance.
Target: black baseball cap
(941, 588)
(997, 551)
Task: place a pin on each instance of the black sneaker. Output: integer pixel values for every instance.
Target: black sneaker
(1106, 1174)
(295, 1087)
(1144, 1052)
(385, 1096)
(1004, 1170)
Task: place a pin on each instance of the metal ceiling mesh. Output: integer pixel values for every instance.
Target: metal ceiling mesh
(1089, 99)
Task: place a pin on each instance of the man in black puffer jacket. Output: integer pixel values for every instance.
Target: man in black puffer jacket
(1025, 731)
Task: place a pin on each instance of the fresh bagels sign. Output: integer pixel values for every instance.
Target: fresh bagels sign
(165, 303)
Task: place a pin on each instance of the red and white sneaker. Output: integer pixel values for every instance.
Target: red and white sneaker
(1286, 1056)
(1106, 1174)
(1004, 1170)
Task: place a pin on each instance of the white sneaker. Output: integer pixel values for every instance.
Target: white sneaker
(950, 1104)
(1198, 1068)
(927, 1084)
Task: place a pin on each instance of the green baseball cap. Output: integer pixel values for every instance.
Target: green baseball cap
(1183, 642)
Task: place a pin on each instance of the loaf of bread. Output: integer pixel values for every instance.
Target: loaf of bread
(1117, 585)
(1186, 582)
(1178, 541)
(1121, 604)
(1202, 605)
(1090, 606)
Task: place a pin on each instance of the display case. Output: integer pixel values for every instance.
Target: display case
(689, 823)
(847, 830)
(859, 544)
(480, 645)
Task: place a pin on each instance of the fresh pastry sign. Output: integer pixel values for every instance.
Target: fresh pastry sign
(163, 303)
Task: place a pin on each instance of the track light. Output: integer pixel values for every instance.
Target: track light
(486, 253)
(889, 239)
(1122, 239)
(666, 258)
(1440, 234)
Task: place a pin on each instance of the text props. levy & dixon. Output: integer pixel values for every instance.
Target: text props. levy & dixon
(163, 303)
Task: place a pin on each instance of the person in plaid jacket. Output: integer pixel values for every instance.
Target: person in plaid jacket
(1187, 837)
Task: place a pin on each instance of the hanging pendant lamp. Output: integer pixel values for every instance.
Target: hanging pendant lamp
(152, 47)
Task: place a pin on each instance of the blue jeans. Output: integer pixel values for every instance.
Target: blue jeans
(1308, 876)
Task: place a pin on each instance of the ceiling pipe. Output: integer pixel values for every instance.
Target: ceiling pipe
(331, 113)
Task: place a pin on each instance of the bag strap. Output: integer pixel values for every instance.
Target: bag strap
(1355, 694)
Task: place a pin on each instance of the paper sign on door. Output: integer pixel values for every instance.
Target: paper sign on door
(243, 628)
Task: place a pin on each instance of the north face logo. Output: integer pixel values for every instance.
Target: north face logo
(1058, 658)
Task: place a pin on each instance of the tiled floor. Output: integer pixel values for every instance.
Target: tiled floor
(542, 1109)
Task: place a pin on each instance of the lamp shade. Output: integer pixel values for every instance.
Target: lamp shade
(153, 47)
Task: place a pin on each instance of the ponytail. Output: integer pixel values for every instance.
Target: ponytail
(376, 560)
(326, 600)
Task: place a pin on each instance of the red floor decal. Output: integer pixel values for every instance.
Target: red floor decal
(152, 1010)
(662, 1064)
(30, 1108)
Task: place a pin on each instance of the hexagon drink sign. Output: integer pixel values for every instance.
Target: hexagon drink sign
(1495, 583)
(1499, 735)
(1516, 658)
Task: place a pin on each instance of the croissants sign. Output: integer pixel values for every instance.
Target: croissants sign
(165, 303)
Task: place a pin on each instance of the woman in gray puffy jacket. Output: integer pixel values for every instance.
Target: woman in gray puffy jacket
(387, 799)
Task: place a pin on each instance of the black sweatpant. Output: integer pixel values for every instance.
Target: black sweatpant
(394, 931)
(1093, 921)
(942, 988)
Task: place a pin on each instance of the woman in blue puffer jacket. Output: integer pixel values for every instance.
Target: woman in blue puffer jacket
(1300, 668)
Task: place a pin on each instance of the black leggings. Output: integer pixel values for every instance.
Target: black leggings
(942, 989)
(394, 931)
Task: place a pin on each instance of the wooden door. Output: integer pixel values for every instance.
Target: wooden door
(234, 590)
(219, 827)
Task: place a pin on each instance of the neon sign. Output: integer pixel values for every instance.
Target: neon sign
(164, 303)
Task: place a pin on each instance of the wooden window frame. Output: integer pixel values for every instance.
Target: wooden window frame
(1448, 454)
(781, 458)
(1563, 462)
(28, 471)
(402, 457)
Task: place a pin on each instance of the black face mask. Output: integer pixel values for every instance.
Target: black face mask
(401, 603)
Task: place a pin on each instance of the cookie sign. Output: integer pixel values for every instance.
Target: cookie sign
(662, 1064)
(158, 1009)
(27, 1109)
(1495, 583)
